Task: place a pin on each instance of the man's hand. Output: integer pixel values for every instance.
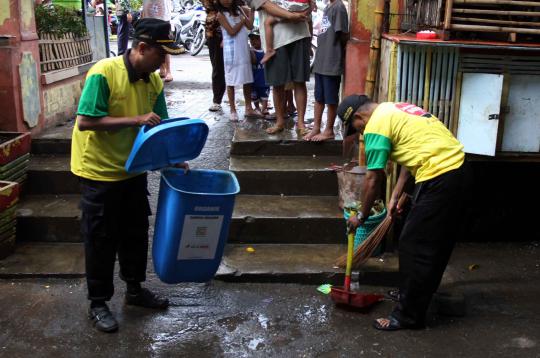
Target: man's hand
(184, 166)
(353, 223)
(393, 208)
(129, 17)
(149, 119)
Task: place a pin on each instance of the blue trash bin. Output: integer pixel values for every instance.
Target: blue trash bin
(192, 223)
(194, 209)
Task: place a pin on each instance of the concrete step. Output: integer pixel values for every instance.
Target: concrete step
(49, 218)
(56, 140)
(306, 264)
(250, 141)
(269, 219)
(256, 219)
(287, 175)
(44, 260)
(50, 174)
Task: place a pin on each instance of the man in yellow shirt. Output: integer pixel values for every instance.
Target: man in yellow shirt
(426, 150)
(120, 94)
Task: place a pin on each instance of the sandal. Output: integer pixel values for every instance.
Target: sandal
(302, 132)
(275, 130)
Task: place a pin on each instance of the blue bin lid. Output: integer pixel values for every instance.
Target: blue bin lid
(171, 142)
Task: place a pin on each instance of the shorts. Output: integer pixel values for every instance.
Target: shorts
(289, 64)
(260, 93)
(327, 89)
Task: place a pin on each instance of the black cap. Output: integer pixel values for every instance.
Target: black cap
(348, 107)
(157, 32)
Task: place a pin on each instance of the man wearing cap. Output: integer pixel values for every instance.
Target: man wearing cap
(120, 95)
(426, 150)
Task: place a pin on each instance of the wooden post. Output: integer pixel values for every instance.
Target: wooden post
(447, 19)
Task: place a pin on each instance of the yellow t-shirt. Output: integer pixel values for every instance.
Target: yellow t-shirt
(412, 138)
(101, 155)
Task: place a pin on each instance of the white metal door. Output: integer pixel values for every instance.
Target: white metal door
(522, 122)
(479, 111)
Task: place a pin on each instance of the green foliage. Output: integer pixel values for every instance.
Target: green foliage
(58, 20)
(135, 4)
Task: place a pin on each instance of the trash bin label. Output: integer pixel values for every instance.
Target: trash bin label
(200, 237)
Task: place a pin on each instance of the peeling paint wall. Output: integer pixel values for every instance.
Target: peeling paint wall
(61, 101)
(30, 89)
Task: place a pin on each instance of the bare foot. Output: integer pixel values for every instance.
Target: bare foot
(268, 55)
(313, 133)
(323, 136)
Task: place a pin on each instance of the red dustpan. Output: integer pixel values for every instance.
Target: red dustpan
(344, 295)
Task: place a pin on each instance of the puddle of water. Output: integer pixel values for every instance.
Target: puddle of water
(255, 343)
(263, 321)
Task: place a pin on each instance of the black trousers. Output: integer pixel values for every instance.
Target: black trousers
(123, 34)
(218, 68)
(114, 222)
(427, 241)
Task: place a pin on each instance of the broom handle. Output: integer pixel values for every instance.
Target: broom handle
(350, 247)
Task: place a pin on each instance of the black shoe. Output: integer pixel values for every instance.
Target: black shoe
(145, 298)
(103, 319)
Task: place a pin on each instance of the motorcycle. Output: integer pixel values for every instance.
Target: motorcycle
(188, 28)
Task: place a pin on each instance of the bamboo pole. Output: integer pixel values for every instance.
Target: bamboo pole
(498, 2)
(494, 21)
(496, 12)
(495, 29)
(448, 14)
(375, 49)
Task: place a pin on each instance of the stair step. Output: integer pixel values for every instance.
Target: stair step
(51, 174)
(49, 218)
(307, 264)
(287, 220)
(256, 219)
(293, 175)
(47, 260)
(255, 141)
(55, 140)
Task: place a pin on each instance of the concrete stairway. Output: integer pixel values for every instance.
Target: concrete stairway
(287, 210)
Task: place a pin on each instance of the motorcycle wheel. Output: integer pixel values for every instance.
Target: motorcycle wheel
(198, 42)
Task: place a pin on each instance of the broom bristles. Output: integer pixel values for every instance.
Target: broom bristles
(366, 249)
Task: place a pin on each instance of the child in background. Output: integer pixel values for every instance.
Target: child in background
(328, 68)
(235, 21)
(270, 21)
(260, 91)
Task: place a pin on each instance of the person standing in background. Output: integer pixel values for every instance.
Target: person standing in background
(328, 68)
(213, 41)
(123, 14)
(160, 9)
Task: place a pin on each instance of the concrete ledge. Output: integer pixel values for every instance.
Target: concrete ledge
(60, 75)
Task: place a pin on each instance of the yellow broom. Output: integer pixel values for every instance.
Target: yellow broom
(366, 249)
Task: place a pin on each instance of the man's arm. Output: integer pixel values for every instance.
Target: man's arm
(372, 184)
(404, 175)
(278, 11)
(108, 123)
